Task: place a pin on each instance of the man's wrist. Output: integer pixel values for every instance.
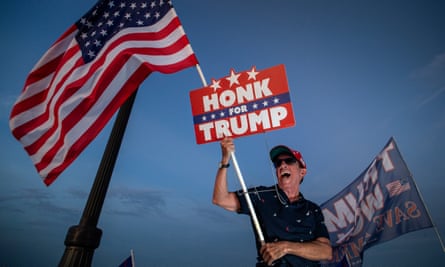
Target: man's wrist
(223, 165)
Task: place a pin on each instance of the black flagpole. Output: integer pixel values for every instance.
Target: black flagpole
(81, 240)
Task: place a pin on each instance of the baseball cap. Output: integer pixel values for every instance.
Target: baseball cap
(281, 149)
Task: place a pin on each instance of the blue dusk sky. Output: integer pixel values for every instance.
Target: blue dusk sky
(359, 72)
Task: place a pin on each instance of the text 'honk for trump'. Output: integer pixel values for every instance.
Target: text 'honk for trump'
(243, 103)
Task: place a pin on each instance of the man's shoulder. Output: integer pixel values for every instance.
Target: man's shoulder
(261, 188)
(311, 203)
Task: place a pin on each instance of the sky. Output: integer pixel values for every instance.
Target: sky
(359, 72)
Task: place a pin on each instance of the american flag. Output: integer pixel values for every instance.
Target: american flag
(89, 72)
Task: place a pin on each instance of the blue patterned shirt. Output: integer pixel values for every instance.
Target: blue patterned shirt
(299, 221)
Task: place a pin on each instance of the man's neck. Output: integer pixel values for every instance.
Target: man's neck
(293, 194)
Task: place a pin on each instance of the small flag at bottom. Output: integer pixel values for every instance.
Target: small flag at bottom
(128, 262)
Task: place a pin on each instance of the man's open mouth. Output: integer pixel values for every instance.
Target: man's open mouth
(285, 174)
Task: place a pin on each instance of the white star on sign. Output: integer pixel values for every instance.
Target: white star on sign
(252, 74)
(215, 84)
(233, 78)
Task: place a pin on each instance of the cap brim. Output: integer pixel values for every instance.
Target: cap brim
(278, 150)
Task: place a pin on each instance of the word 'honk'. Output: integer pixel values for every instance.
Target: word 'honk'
(228, 98)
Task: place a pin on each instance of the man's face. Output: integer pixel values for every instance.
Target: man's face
(288, 171)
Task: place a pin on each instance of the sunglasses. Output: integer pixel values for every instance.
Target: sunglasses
(288, 161)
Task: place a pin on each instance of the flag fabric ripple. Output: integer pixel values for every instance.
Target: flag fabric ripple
(89, 72)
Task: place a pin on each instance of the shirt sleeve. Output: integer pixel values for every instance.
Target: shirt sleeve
(244, 208)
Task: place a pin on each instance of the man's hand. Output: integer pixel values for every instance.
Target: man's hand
(273, 251)
(316, 250)
(227, 146)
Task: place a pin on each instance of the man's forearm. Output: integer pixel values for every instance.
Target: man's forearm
(316, 250)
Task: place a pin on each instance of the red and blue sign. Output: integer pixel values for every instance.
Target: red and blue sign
(243, 103)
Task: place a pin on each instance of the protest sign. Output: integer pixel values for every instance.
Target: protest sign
(243, 103)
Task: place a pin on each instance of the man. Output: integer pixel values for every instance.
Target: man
(293, 227)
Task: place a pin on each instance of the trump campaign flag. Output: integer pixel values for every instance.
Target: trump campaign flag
(89, 72)
(381, 204)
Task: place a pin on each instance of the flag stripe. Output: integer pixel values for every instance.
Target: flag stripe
(52, 170)
(47, 114)
(90, 112)
(66, 102)
(41, 105)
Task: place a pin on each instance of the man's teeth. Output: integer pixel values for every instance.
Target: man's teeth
(286, 174)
